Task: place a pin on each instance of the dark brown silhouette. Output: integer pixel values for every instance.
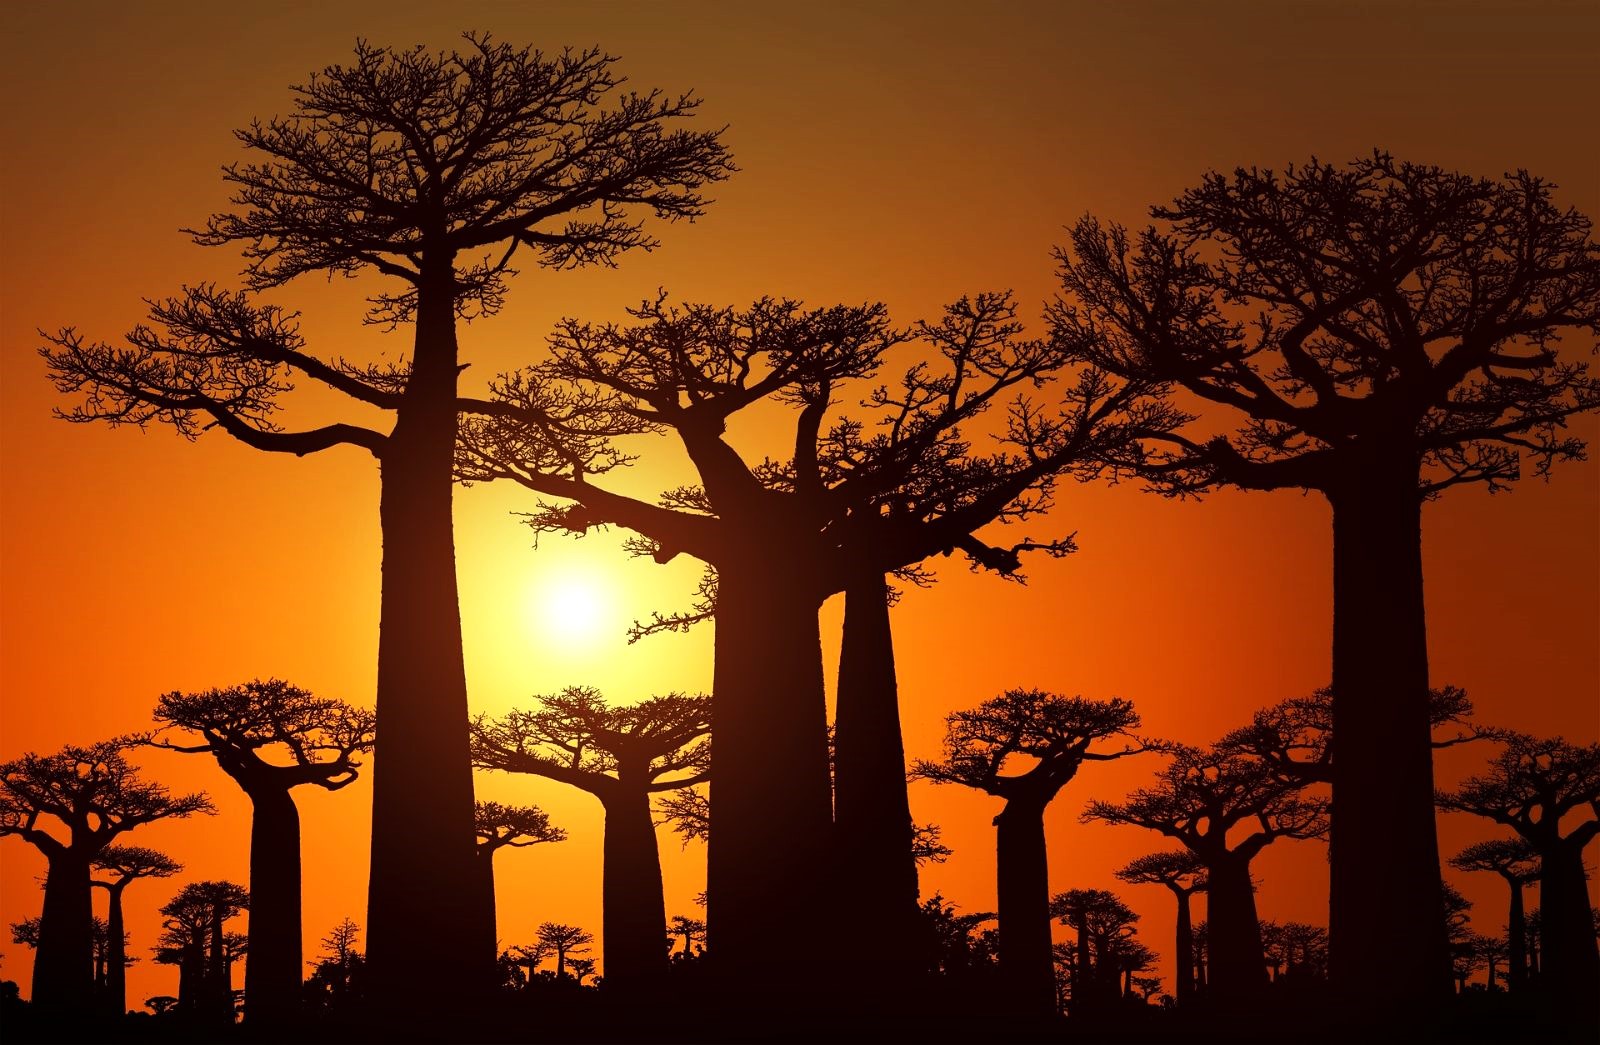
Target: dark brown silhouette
(96, 794)
(622, 756)
(1516, 861)
(1042, 739)
(1296, 953)
(1388, 331)
(1102, 952)
(501, 826)
(1184, 875)
(125, 864)
(564, 941)
(196, 940)
(1199, 798)
(433, 169)
(271, 737)
(336, 978)
(688, 810)
(691, 931)
(1531, 787)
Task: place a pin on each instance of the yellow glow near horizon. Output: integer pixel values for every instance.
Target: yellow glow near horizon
(574, 608)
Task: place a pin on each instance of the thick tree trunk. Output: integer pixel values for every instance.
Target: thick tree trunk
(1238, 963)
(63, 964)
(217, 1000)
(1023, 872)
(1570, 959)
(769, 862)
(877, 876)
(191, 976)
(116, 999)
(1384, 895)
(634, 920)
(272, 973)
(1185, 949)
(1517, 940)
(426, 893)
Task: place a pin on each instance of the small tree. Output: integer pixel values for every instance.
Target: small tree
(1382, 331)
(622, 756)
(94, 794)
(198, 942)
(565, 941)
(515, 827)
(339, 964)
(1184, 875)
(124, 864)
(692, 930)
(1024, 746)
(1514, 860)
(1102, 925)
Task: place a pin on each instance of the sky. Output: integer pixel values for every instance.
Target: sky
(904, 153)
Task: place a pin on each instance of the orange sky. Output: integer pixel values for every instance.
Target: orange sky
(904, 153)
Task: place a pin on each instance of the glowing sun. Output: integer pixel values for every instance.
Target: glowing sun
(574, 608)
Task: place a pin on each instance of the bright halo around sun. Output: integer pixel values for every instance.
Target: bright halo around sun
(574, 609)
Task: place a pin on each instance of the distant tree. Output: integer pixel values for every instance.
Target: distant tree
(198, 942)
(1516, 861)
(1493, 950)
(1147, 986)
(124, 864)
(1200, 797)
(1101, 925)
(161, 1004)
(1384, 331)
(954, 945)
(96, 795)
(581, 967)
(1024, 746)
(692, 930)
(1183, 874)
(271, 737)
(1531, 787)
(926, 848)
(1305, 952)
(336, 973)
(565, 941)
(433, 170)
(517, 827)
(622, 756)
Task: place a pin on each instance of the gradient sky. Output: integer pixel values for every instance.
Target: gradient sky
(907, 153)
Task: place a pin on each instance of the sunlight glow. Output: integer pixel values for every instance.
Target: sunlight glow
(573, 608)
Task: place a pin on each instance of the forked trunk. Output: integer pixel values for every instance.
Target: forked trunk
(769, 861)
(63, 964)
(877, 876)
(425, 888)
(1185, 949)
(1023, 873)
(1384, 889)
(1571, 965)
(273, 972)
(634, 921)
(1238, 962)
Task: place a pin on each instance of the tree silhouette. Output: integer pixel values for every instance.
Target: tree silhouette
(1514, 860)
(1199, 798)
(1387, 331)
(124, 864)
(926, 848)
(501, 826)
(622, 756)
(271, 737)
(565, 941)
(693, 931)
(95, 794)
(1184, 875)
(334, 980)
(688, 810)
(432, 170)
(1531, 787)
(196, 937)
(1101, 925)
(1024, 746)
(954, 945)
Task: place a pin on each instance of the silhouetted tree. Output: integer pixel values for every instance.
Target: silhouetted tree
(95, 794)
(1041, 739)
(125, 864)
(433, 170)
(1303, 950)
(1514, 860)
(271, 737)
(1199, 798)
(565, 941)
(501, 826)
(1531, 787)
(1148, 987)
(926, 848)
(1387, 331)
(1097, 918)
(693, 931)
(1184, 875)
(954, 945)
(161, 1004)
(688, 810)
(204, 951)
(334, 978)
(622, 756)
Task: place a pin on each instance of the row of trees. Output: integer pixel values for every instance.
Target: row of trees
(1377, 332)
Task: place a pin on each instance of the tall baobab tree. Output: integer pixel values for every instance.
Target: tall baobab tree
(1024, 746)
(1199, 799)
(1100, 924)
(1184, 875)
(271, 737)
(564, 941)
(1384, 331)
(622, 756)
(1531, 787)
(516, 827)
(196, 929)
(95, 794)
(124, 864)
(432, 171)
(1516, 861)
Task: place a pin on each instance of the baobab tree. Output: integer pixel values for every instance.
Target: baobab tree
(339, 964)
(196, 936)
(432, 171)
(622, 756)
(516, 827)
(123, 865)
(1024, 746)
(1100, 922)
(271, 737)
(1531, 787)
(1184, 875)
(94, 794)
(565, 942)
(692, 931)
(1199, 799)
(1384, 331)
(1516, 861)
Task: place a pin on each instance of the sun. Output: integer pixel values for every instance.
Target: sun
(573, 608)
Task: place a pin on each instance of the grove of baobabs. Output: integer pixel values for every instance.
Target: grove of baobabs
(631, 522)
